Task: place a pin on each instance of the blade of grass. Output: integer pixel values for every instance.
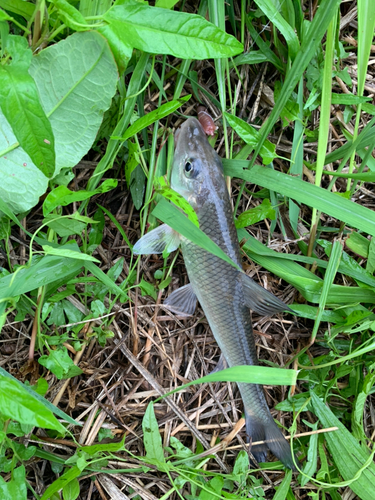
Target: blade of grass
(353, 460)
(324, 122)
(217, 17)
(296, 167)
(268, 7)
(155, 115)
(366, 26)
(327, 9)
(264, 47)
(256, 247)
(170, 214)
(263, 375)
(333, 264)
(118, 225)
(347, 211)
(307, 283)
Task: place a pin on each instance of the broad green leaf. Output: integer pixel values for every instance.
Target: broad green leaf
(137, 186)
(21, 182)
(132, 161)
(161, 31)
(20, 105)
(60, 364)
(71, 16)
(83, 75)
(94, 449)
(15, 488)
(65, 252)
(252, 57)
(254, 215)
(61, 482)
(18, 404)
(151, 435)
(348, 99)
(19, 50)
(71, 490)
(64, 226)
(166, 4)
(251, 137)
(147, 289)
(62, 196)
(170, 194)
(121, 49)
(312, 457)
(282, 490)
(358, 244)
(19, 7)
(349, 457)
(40, 399)
(370, 266)
(241, 465)
(41, 272)
(351, 213)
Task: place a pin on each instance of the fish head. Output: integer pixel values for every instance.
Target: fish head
(197, 171)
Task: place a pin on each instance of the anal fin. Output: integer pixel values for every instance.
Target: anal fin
(182, 301)
(259, 299)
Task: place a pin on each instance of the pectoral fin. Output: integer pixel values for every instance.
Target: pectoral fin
(259, 299)
(161, 239)
(182, 301)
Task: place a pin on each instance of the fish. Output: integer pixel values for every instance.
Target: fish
(225, 293)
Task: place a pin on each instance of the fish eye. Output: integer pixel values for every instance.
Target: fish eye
(188, 167)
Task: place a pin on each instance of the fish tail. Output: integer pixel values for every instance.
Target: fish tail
(255, 430)
(273, 439)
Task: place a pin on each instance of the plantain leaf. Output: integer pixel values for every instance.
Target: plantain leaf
(20, 105)
(162, 31)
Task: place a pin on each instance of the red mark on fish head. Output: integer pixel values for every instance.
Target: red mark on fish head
(206, 121)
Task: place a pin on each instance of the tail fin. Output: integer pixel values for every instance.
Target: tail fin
(273, 439)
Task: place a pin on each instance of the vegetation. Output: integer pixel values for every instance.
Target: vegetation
(91, 93)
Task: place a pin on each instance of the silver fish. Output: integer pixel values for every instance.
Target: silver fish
(225, 293)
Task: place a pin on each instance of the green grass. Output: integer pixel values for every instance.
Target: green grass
(100, 390)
